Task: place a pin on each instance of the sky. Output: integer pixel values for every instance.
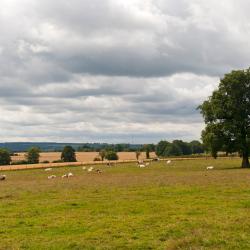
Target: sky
(115, 71)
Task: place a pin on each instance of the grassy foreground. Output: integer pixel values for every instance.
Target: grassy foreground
(177, 206)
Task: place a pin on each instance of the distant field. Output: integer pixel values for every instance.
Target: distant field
(81, 157)
(176, 206)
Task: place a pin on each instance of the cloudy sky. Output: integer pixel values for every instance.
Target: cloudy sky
(113, 70)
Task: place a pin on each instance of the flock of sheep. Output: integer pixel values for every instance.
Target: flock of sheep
(140, 164)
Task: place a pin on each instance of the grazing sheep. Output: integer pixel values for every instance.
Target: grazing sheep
(169, 161)
(47, 169)
(142, 166)
(90, 169)
(147, 164)
(70, 175)
(51, 177)
(84, 168)
(210, 167)
(2, 177)
(67, 175)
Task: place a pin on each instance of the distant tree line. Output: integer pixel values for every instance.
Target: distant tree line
(178, 148)
(109, 151)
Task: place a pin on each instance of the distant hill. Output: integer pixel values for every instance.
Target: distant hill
(53, 146)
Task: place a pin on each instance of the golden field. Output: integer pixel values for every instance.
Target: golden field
(81, 156)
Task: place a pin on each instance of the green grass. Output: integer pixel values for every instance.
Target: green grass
(182, 206)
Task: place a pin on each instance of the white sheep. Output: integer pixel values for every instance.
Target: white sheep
(147, 164)
(51, 177)
(84, 168)
(169, 161)
(47, 169)
(70, 175)
(90, 169)
(142, 166)
(210, 167)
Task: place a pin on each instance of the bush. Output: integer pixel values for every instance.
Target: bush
(111, 156)
(45, 162)
(68, 154)
(22, 162)
(5, 158)
(97, 159)
(57, 161)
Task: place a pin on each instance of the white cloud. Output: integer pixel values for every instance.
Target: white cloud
(112, 70)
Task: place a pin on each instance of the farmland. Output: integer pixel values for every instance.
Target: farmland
(81, 156)
(176, 206)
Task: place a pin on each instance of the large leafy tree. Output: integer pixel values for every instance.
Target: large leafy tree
(5, 158)
(227, 116)
(68, 154)
(33, 155)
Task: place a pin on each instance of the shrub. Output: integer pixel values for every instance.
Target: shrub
(111, 156)
(57, 161)
(45, 162)
(97, 159)
(22, 162)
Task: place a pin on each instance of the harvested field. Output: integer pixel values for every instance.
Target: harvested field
(81, 156)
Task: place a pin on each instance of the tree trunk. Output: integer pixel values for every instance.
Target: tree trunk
(245, 161)
(245, 150)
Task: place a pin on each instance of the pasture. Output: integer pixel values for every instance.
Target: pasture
(177, 206)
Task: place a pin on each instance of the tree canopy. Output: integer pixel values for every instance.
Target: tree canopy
(5, 158)
(33, 155)
(68, 154)
(227, 116)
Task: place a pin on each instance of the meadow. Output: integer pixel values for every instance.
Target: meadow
(177, 206)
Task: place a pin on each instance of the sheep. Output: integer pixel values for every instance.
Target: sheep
(67, 175)
(51, 177)
(84, 168)
(142, 166)
(2, 177)
(99, 171)
(147, 164)
(70, 175)
(47, 169)
(169, 161)
(210, 167)
(90, 169)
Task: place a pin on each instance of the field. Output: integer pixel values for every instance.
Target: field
(176, 206)
(81, 156)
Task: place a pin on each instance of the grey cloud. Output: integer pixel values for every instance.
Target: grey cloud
(113, 69)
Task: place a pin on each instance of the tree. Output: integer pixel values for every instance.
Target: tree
(160, 148)
(184, 147)
(137, 154)
(196, 147)
(5, 158)
(102, 154)
(227, 116)
(33, 155)
(172, 150)
(68, 154)
(111, 156)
